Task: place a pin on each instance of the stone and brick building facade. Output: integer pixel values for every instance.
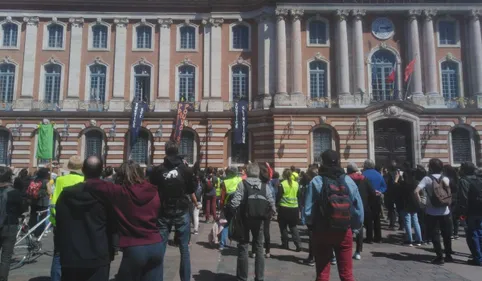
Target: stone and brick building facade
(317, 75)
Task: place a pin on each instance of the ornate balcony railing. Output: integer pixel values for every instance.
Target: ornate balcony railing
(194, 106)
(43, 105)
(94, 106)
(6, 106)
(318, 102)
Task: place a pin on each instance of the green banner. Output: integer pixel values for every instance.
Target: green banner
(45, 143)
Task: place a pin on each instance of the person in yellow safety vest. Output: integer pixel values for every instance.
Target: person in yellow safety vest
(288, 215)
(217, 186)
(229, 185)
(294, 175)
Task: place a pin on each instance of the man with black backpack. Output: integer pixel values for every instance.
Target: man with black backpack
(469, 204)
(176, 184)
(252, 203)
(333, 207)
(439, 198)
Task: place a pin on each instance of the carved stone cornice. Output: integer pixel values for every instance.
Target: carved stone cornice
(296, 14)
(31, 20)
(413, 14)
(121, 22)
(214, 22)
(358, 14)
(475, 14)
(76, 22)
(165, 23)
(429, 14)
(342, 14)
(281, 14)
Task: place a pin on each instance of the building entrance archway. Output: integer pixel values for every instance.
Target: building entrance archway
(393, 141)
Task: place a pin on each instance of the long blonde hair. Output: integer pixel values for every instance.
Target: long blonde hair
(287, 176)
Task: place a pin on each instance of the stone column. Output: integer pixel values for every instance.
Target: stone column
(206, 60)
(117, 102)
(215, 101)
(360, 79)
(296, 50)
(430, 59)
(266, 61)
(413, 36)
(476, 46)
(29, 57)
(75, 64)
(281, 53)
(163, 97)
(343, 68)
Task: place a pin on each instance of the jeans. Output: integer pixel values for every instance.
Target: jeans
(195, 218)
(323, 245)
(143, 263)
(444, 225)
(86, 274)
(210, 208)
(412, 219)
(474, 238)
(181, 224)
(224, 236)
(7, 243)
(256, 229)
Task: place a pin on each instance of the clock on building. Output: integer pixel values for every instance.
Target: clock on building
(383, 28)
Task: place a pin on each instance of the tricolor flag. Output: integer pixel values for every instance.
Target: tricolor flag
(409, 70)
(391, 76)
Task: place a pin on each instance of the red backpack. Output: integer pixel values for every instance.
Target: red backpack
(33, 189)
(335, 204)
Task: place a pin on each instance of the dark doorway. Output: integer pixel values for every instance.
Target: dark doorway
(393, 141)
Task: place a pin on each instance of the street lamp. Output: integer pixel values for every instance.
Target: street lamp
(64, 133)
(210, 128)
(112, 132)
(16, 130)
(159, 130)
(357, 126)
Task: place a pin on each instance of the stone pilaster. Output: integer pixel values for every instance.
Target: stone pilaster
(29, 58)
(266, 61)
(117, 102)
(476, 46)
(414, 41)
(430, 59)
(281, 52)
(163, 97)
(296, 16)
(343, 68)
(75, 64)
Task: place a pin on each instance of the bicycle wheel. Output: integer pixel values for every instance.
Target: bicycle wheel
(22, 252)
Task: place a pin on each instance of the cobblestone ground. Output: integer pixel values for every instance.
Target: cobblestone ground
(380, 262)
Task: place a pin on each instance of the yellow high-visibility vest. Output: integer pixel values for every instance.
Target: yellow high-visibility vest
(217, 185)
(290, 195)
(231, 185)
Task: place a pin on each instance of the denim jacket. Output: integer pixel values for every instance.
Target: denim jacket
(313, 193)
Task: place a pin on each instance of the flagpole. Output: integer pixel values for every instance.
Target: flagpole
(410, 78)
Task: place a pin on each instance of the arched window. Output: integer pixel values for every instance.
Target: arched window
(4, 140)
(97, 82)
(144, 37)
(322, 141)
(240, 35)
(318, 32)
(450, 80)
(99, 33)
(188, 37)
(187, 85)
(10, 34)
(142, 80)
(7, 82)
(186, 146)
(140, 150)
(52, 84)
(239, 152)
(318, 80)
(56, 35)
(240, 82)
(93, 143)
(383, 63)
(461, 146)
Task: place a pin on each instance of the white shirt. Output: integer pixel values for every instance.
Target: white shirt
(426, 183)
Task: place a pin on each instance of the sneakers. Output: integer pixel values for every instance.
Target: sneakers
(418, 244)
(221, 248)
(438, 260)
(309, 262)
(267, 255)
(252, 255)
(333, 261)
(357, 256)
(195, 232)
(449, 259)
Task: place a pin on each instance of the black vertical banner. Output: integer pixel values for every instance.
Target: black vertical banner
(240, 121)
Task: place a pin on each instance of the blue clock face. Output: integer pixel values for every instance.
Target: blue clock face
(383, 28)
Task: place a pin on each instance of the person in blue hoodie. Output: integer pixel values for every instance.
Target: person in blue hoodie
(373, 226)
(325, 240)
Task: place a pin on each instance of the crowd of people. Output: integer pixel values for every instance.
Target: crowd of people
(97, 211)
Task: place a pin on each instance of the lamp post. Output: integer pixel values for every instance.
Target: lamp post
(112, 132)
(17, 129)
(357, 126)
(64, 133)
(159, 131)
(210, 128)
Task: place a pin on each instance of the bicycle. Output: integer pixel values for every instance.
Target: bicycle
(27, 246)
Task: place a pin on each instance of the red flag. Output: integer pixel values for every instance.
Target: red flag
(409, 70)
(391, 76)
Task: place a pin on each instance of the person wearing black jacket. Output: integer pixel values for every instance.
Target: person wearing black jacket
(84, 230)
(410, 206)
(14, 207)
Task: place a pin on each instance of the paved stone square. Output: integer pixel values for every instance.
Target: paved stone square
(380, 262)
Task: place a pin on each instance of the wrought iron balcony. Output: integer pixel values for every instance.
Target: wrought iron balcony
(194, 106)
(94, 106)
(44, 105)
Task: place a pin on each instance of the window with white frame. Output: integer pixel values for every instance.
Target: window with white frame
(447, 30)
(240, 82)
(318, 32)
(56, 36)
(461, 146)
(7, 82)
(318, 80)
(98, 73)
(240, 37)
(239, 151)
(186, 146)
(322, 141)
(142, 82)
(4, 140)
(100, 35)
(140, 150)
(382, 63)
(187, 37)
(93, 143)
(52, 78)
(10, 34)
(187, 87)
(450, 80)
(144, 37)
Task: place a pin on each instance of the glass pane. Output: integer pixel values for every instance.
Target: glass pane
(52, 84)
(4, 137)
(450, 81)
(99, 36)
(318, 33)
(240, 82)
(140, 149)
(144, 37)
(240, 37)
(186, 146)
(318, 85)
(186, 83)
(461, 146)
(10, 32)
(322, 141)
(447, 33)
(93, 144)
(383, 62)
(56, 35)
(7, 82)
(188, 37)
(142, 75)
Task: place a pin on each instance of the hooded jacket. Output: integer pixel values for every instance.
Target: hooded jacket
(84, 230)
(238, 197)
(136, 208)
(15, 207)
(367, 193)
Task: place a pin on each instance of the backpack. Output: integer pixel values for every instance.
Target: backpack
(172, 189)
(441, 195)
(256, 204)
(33, 190)
(236, 228)
(335, 204)
(210, 190)
(475, 194)
(3, 204)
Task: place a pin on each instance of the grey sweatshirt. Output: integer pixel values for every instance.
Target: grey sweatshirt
(238, 196)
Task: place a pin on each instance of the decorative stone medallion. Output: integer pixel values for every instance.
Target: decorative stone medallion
(392, 111)
(383, 28)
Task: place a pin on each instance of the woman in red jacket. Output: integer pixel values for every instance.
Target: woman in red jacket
(136, 204)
